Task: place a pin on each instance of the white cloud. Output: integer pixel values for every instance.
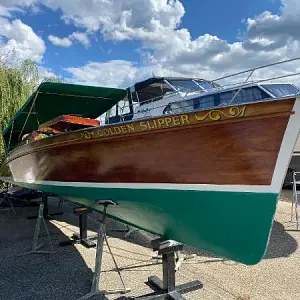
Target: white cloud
(156, 24)
(8, 6)
(45, 73)
(8, 3)
(167, 48)
(17, 37)
(62, 42)
(121, 19)
(118, 73)
(279, 30)
(112, 73)
(66, 42)
(4, 11)
(81, 37)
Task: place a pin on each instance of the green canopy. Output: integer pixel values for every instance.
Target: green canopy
(51, 100)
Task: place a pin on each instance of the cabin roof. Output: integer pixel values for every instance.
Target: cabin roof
(51, 100)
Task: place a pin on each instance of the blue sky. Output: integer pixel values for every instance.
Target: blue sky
(115, 42)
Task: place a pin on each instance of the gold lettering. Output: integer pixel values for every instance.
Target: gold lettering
(160, 122)
(176, 120)
(110, 131)
(88, 134)
(149, 125)
(155, 125)
(130, 127)
(168, 121)
(185, 119)
(124, 129)
(100, 132)
(143, 125)
(107, 132)
(117, 130)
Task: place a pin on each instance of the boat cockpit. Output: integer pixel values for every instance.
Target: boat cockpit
(158, 96)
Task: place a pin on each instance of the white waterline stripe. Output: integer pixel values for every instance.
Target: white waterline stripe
(162, 186)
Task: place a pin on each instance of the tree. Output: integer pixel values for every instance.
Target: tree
(17, 82)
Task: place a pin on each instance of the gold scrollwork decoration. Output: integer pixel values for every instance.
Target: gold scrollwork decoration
(216, 115)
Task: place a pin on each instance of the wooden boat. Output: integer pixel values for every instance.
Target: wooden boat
(209, 178)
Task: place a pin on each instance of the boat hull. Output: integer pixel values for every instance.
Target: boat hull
(209, 179)
(230, 224)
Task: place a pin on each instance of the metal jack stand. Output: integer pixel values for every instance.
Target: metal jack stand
(127, 232)
(166, 289)
(6, 198)
(82, 237)
(101, 237)
(46, 214)
(35, 247)
(179, 258)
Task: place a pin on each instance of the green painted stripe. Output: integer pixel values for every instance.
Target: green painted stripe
(234, 225)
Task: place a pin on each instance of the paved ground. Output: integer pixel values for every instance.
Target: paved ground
(67, 273)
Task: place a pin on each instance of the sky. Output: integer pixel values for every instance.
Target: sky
(116, 43)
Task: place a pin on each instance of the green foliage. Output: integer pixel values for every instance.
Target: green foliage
(17, 81)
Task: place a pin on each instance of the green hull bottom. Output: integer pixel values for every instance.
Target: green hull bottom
(234, 225)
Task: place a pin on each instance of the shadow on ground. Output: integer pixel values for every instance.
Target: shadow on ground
(60, 275)
(281, 243)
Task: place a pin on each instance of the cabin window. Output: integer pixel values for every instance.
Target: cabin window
(185, 85)
(119, 113)
(150, 93)
(204, 102)
(281, 90)
(250, 94)
(245, 95)
(179, 107)
(191, 85)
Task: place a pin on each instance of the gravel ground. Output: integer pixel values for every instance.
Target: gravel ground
(67, 273)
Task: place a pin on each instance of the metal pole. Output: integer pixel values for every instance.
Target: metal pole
(257, 68)
(99, 253)
(37, 228)
(116, 265)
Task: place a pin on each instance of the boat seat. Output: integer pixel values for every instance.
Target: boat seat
(65, 123)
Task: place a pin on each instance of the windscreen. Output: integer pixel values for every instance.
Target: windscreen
(281, 90)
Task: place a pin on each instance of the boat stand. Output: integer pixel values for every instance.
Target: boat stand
(6, 199)
(166, 288)
(179, 258)
(82, 237)
(46, 214)
(127, 232)
(35, 248)
(101, 237)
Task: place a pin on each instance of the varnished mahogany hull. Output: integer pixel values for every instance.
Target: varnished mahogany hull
(234, 153)
(158, 175)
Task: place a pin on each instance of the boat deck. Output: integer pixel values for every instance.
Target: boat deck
(67, 274)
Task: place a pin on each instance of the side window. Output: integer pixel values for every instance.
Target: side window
(110, 115)
(253, 94)
(226, 97)
(123, 107)
(246, 95)
(119, 112)
(204, 102)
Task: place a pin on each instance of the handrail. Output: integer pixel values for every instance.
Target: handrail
(257, 68)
